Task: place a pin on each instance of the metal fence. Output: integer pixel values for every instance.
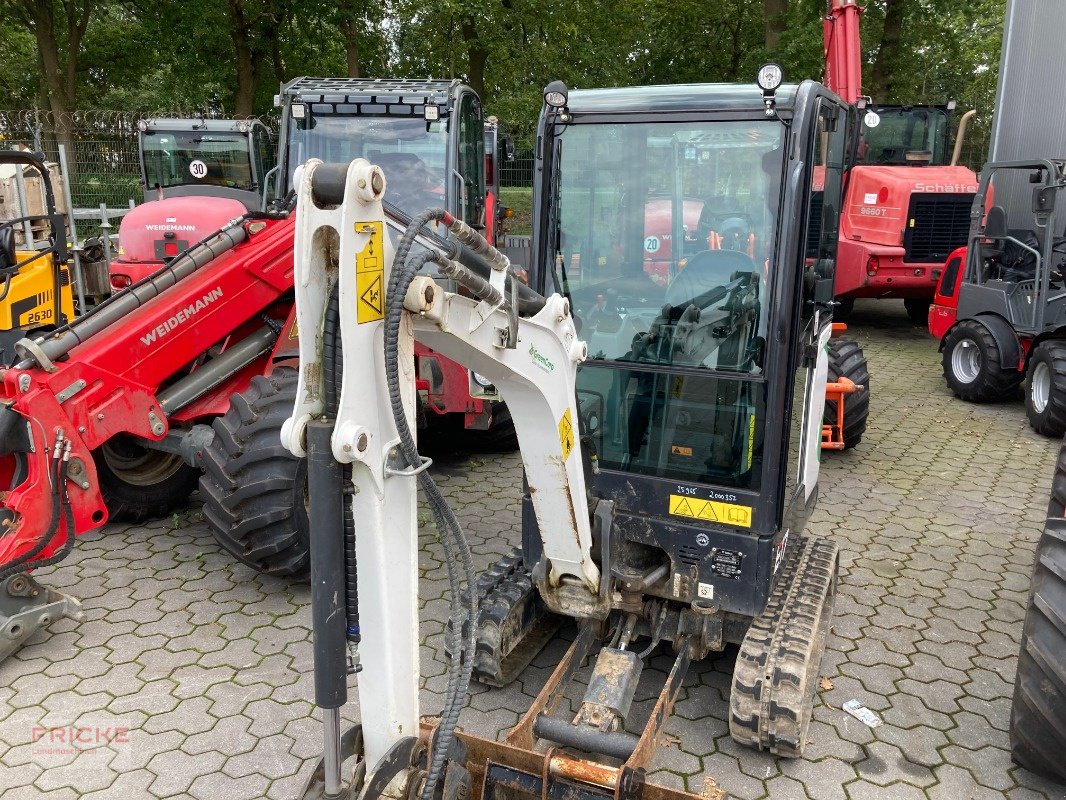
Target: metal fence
(101, 161)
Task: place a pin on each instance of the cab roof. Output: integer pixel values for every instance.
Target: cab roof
(678, 97)
(198, 124)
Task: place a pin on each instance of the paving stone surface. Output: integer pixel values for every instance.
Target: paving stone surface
(192, 675)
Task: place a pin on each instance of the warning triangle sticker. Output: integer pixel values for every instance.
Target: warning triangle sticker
(707, 512)
(684, 508)
(373, 295)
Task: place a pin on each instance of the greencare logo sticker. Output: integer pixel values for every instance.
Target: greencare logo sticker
(541, 360)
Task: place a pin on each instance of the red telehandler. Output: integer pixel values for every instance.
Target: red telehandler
(113, 415)
(907, 202)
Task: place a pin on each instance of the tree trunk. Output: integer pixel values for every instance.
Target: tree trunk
(351, 46)
(247, 68)
(882, 74)
(774, 14)
(59, 76)
(477, 56)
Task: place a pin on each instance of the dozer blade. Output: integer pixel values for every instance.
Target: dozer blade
(26, 606)
(776, 672)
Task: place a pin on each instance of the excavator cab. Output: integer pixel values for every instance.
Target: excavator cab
(669, 419)
(427, 136)
(700, 407)
(35, 286)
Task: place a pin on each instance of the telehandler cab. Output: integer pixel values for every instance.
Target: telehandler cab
(669, 433)
(197, 175)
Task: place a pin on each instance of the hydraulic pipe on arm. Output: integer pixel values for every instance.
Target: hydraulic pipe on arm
(843, 49)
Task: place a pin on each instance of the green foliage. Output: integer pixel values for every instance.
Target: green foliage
(186, 53)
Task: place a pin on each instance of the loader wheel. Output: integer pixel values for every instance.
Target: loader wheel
(501, 434)
(138, 483)
(971, 365)
(918, 310)
(843, 310)
(1038, 712)
(846, 360)
(255, 491)
(1045, 389)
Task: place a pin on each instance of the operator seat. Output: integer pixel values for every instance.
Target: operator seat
(993, 237)
(7, 248)
(704, 271)
(407, 179)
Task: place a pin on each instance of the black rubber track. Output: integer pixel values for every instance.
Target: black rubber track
(1038, 713)
(254, 489)
(513, 625)
(993, 382)
(847, 360)
(776, 672)
(1052, 420)
(136, 502)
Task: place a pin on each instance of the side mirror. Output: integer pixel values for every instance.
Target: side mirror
(7, 247)
(1044, 199)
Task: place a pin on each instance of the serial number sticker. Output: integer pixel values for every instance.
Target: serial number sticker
(710, 510)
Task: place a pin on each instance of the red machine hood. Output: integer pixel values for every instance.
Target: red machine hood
(184, 220)
(879, 198)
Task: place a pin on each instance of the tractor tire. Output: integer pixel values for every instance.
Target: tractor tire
(1038, 711)
(138, 484)
(501, 435)
(846, 360)
(1045, 388)
(255, 491)
(971, 365)
(843, 309)
(918, 310)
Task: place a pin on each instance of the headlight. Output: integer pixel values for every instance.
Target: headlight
(481, 380)
(770, 77)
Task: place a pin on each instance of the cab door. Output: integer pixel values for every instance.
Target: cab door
(468, 169)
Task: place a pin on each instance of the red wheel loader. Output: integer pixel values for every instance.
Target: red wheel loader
(906, 200)
(113, 415)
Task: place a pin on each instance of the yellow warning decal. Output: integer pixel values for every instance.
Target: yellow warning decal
(710, 510)
(294, 331)
(680, 450)
(370, 274)
(566, 434)
(751, 439)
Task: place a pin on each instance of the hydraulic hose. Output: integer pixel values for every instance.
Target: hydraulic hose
(64, 339)
(60, 504)
(457, 549)
(478, 261)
